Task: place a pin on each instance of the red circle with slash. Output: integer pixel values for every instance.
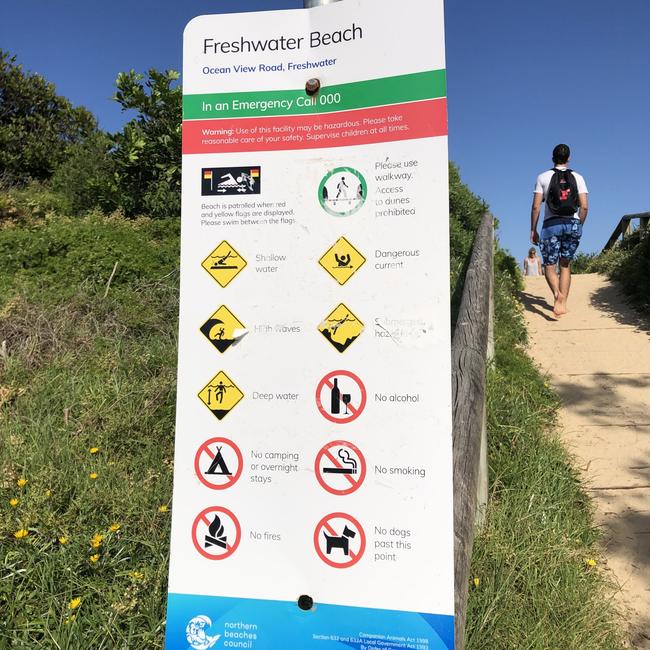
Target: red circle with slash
(354, 410)
(328, 534)
(222, 480)
(330, 468)
(218, 539)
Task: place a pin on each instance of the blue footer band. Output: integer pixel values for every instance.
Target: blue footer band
(202, 622)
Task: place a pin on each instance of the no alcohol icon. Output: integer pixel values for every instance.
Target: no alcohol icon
(341, 396)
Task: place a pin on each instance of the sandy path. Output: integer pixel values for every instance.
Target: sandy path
(598, 359)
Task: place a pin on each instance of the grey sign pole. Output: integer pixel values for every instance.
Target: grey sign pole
(317, 3)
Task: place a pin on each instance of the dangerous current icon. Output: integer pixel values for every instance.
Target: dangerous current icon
(342, 260)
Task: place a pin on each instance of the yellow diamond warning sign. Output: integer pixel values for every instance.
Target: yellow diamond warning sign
(341, 328)
(221, 395)
(224, 263)
(223, 329)
(342, 260)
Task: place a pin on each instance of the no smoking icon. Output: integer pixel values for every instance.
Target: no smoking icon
(340, 467)
(216, 533)
(218, 463)
(339, 540)
(340, 396)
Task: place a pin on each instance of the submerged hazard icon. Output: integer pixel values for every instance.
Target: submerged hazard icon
(216, 533)
(220, 395)
(339, 539)
(342, 260)
(222, 181)
(223, 329)
(224, 263)
(342, 191)
(341, 328)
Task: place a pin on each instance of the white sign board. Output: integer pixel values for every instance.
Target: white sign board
(313, 436)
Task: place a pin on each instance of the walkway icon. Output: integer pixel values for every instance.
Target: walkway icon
(342, 260)
(220, 395)
(224, 263)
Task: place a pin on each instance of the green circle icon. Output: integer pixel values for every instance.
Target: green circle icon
(342, 191)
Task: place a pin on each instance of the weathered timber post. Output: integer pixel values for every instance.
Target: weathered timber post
(469, 354)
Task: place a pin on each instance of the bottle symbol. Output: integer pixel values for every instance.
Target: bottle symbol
(336, 398)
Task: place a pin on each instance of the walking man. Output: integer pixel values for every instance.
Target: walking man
(564, 193)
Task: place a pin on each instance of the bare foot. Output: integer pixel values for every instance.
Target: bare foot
(560, 304)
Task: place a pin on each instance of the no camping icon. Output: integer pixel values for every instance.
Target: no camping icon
(340, 467)
(216, 533)
(218, 463)
(340, 540)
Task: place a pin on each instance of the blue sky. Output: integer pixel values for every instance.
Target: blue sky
(522, 77)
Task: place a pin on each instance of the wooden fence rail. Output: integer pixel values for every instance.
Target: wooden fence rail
(470, 349)
(624, 227)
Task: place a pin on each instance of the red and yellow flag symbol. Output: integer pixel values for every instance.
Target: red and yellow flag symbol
(207, 175)
(255, 173)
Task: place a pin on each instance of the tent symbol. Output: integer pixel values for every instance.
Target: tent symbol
(218, 466)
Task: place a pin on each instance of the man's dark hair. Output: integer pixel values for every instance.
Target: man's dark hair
(561, 154)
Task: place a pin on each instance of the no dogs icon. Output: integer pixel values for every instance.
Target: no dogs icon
(339, 540)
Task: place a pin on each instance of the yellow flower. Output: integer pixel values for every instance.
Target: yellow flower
(74, 603)
(136, 575)
(13, 502)
(22, 482)
(48, 493)
(63, 540)
(70, 619)
(476, 581)
(114, 527)
(93, 475)
(96, 540)
(591, 563)
(19, 534)
(163, 508)
(93, 450)
(94, 558)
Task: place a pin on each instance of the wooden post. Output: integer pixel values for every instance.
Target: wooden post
(468, 354)
(482, 486)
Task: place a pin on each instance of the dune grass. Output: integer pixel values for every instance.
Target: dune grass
(87, 388)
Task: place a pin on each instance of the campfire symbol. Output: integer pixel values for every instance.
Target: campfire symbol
(216, 536)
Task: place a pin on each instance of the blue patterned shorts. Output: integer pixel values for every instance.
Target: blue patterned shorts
(560, 241)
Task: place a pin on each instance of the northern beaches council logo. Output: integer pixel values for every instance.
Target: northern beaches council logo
(197, 633)
(224, 181)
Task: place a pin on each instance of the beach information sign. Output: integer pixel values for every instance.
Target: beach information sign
(313, 469)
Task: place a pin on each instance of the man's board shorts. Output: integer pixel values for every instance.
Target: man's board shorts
(560, 241)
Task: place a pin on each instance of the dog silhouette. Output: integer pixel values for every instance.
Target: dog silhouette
(342, 542)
